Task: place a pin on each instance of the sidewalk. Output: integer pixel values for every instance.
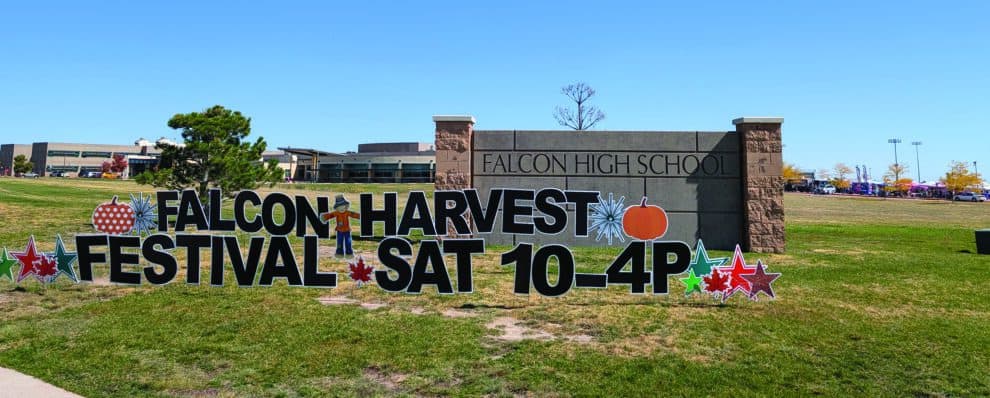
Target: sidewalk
(16, 384)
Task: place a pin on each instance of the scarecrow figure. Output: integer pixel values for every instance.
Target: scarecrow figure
(342, 215)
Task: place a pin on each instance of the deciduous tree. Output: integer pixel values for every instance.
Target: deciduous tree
(22, 165)
(586, 115)
(893, 182)
(896, 170)
(840, 181)
(959, 178)
(823, 174)
(791, 173)
(903, 185)
(119, 163)
(215, 153)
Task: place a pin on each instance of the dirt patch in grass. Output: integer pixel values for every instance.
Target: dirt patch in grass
(390, 381)
(336, 300)
(456, 313)
(373, 306)
(512, 329)
(579, 338)
(101, 281)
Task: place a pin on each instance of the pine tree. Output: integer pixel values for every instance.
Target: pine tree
(215, 153)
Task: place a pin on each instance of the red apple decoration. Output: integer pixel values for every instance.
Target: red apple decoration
(644, 222)
(113, 218)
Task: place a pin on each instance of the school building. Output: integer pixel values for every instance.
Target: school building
(372, 163)
(74, 158)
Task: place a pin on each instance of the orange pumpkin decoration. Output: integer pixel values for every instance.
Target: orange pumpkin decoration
(644, 222)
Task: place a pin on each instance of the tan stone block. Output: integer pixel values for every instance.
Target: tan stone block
(763, 164)
(446, 164)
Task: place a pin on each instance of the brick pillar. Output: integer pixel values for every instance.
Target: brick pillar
(454, 136)
(453, 146)
(763, 183)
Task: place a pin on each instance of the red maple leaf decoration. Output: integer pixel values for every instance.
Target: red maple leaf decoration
(360, 272)
(46, 270)
(716, 282)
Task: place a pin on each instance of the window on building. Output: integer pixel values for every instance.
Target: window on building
(329, 172)
(74, 154)
(95, 154)
(355, 172)
(385, 172)
(416, 172)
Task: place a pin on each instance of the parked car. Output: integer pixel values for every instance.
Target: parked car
(57, 174)
(30, 175)
(969, 197)
(90, 174)
(825, 189)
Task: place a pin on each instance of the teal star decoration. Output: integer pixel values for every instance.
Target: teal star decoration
(702, 265)
(691, 284)
(6, 265)
(65, 259)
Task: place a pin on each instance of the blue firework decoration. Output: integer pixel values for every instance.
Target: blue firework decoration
(145, 219)
(606, 218)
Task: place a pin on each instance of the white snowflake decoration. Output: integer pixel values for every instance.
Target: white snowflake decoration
(606, 218)
(145, 219)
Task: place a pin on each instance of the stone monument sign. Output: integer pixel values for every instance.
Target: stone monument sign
(721, 186)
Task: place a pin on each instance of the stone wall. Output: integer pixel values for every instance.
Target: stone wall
(724, 187)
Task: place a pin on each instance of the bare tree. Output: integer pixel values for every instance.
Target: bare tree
(586, 115)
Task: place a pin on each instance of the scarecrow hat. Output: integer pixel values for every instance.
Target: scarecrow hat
(340, 201)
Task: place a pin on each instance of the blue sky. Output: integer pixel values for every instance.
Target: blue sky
(845, 76)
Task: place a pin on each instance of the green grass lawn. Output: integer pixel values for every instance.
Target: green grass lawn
(877, 298)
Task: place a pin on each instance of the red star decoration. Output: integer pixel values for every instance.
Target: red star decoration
(27, 258)
(736, 280)
(716, 283)
(360, 272)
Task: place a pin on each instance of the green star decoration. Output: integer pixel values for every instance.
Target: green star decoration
(6, 265)
(702, 265)
(691, 284)
(65, 259)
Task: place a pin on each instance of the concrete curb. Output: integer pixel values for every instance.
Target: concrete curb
(16, 384)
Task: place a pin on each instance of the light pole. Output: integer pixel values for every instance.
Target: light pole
(897, 171)
(917, 159)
